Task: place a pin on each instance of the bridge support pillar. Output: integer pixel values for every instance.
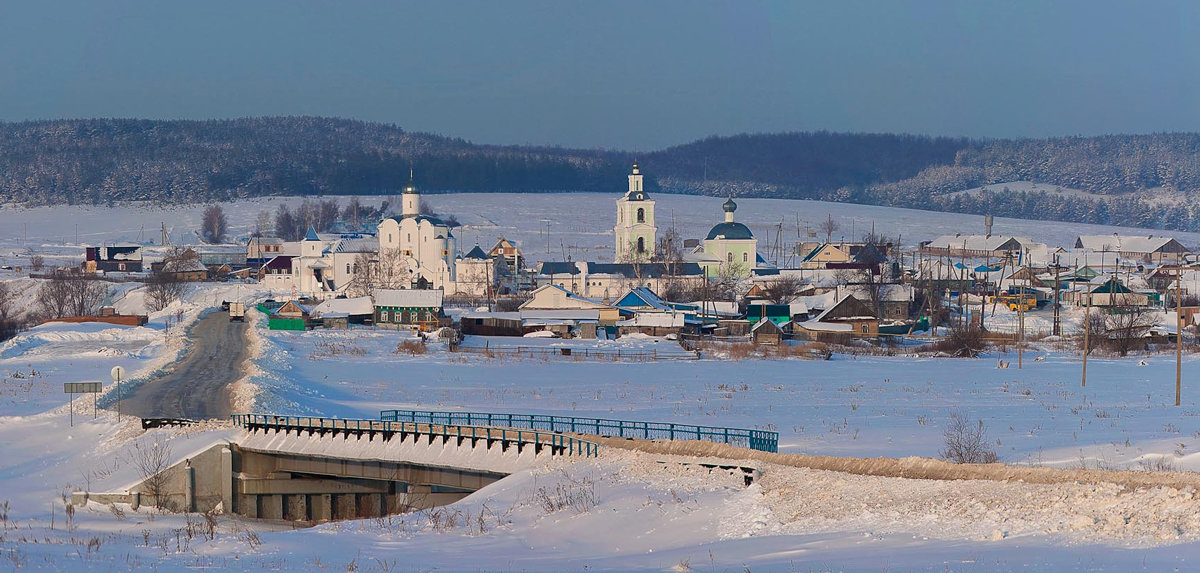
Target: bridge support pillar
(271, 506)
(321, 507)
(227, 480)
(295, 507)
(189, 488)
(343, 506)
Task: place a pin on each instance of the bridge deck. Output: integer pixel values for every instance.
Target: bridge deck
(558, 443)
(755, 439)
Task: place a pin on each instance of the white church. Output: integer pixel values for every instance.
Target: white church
(425, 245)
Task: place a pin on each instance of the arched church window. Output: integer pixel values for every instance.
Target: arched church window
(641, 244)
(745, 257)
(729, 257)
(641, 215)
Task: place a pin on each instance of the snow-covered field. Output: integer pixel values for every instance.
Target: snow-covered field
(647, 515)
(580, 224)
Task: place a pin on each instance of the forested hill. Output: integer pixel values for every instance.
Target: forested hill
(1139, 180)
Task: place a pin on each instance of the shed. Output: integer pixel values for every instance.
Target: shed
(359, 310)
(765, 331)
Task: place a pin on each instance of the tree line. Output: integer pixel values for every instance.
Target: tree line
(100, 161)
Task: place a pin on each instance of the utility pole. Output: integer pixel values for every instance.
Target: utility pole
(1178, 333)
(1021, 329)
(1057, 293)
(1087, 328)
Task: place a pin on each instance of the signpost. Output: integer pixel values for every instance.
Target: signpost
(118, 372)
(74, 388)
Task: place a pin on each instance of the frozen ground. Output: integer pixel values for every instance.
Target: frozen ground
(631, 512)
(646, 516)
(580, 224)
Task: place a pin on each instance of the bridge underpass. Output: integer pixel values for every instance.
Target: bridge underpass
(317, 469)
(299, 487)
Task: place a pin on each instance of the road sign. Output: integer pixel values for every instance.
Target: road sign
(74, 388)
(81, 387)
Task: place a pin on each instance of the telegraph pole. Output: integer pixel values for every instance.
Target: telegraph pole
(1178, 332)
(1087, 327)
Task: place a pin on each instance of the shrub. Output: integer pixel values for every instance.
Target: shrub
(965, 342)
(412, 347)
(967, 442)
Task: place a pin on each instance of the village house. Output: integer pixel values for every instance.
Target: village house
(183, 268)
(847, 318)
(259, 250)
(328, 262)
(418, 308)
(980, 246)
(343, 312)
(115, 258)
(1145, 249)
(608, 280)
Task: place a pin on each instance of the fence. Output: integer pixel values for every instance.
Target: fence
(558, 443)
(761, 440)
(570, 353)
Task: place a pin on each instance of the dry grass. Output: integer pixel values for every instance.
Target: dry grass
(411, 347)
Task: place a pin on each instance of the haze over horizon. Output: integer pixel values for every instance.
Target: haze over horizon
(620, 75)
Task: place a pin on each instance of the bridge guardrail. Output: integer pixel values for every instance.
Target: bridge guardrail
(567, 444)
(762, 440)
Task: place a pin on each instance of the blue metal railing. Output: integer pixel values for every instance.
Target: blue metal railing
(567, 444)
(762, 440)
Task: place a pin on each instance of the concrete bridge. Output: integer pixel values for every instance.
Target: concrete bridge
(309, 469)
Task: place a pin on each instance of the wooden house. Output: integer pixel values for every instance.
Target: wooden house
(419, 308)
(291, 316)
(847, 318)
(117, 258)
(492, 324)
(766, 331)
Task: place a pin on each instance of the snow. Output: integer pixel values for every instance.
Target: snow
(651, 512)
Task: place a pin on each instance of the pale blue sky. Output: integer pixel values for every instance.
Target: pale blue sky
(630, 75)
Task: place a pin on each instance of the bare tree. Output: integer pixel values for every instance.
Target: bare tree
(162, 289)
(152, 460)
(70, 294)
(287, 225)
(214, 225)
(262, 224)
(1127, 325)
(725, 284)
(829, 226)
(783, 289)
(10, 318)
(37, 263)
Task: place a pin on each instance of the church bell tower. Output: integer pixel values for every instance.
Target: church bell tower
(635, 230)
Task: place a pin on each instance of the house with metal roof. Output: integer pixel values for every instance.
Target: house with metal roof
(418, 308)
(1147, 248)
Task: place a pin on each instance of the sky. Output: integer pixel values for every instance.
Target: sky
(616, 74)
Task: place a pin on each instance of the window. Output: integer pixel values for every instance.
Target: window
(729, 257)
(864, 329)
(745, 257)
(383, 316)
(408, 237)
(347, 268)
(641, 217)
(641, 245)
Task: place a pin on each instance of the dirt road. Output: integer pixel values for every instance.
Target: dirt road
(197, 386)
